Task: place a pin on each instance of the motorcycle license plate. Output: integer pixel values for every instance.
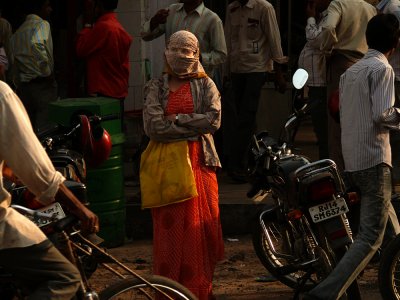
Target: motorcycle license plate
(328, 210)
(52, 209)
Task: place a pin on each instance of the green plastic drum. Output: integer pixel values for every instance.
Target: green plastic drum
(112, 216)
(105, 183)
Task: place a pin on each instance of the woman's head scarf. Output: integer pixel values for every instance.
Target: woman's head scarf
(181, 63)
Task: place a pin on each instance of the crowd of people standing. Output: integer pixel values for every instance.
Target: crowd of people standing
(27, 60)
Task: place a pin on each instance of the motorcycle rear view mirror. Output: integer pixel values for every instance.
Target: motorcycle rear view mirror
(299, 78)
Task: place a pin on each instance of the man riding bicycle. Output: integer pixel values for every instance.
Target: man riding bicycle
(24, 250)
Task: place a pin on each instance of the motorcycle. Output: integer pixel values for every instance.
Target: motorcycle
(70, 149)
(300, 237)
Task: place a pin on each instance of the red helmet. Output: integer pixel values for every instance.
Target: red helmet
(95, 142)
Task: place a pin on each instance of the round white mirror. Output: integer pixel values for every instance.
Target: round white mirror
(299, 78)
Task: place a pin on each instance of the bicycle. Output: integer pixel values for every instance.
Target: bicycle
(87, 255)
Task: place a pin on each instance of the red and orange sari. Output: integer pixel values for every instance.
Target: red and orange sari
(187, 241)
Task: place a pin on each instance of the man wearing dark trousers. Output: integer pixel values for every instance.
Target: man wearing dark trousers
(254, 48)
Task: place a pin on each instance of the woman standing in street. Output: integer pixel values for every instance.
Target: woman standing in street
(184, 104)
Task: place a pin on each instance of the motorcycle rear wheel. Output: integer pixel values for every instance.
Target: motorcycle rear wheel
(134, 288)
(270, 261)
(389, 271)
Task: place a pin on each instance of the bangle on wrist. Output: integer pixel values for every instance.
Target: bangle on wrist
(87, 25)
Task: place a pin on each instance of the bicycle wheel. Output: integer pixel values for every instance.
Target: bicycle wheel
(134, 288)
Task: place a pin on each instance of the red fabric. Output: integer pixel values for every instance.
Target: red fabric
(106, 50)
(187, 240)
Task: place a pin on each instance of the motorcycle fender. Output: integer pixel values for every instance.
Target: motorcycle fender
(337, 232)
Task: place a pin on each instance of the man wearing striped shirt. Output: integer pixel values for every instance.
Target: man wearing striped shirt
(193, 16)
(366, 116)
(32, 51)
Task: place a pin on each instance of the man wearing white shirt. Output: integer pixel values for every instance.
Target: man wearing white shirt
(32, 56)
(25, 251)
(254, 49)
(343, 33)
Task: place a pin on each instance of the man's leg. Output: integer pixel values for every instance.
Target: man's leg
(229, 97)
(375, 189)
(42, 269)
(319, 117)
(338, 64)
(36, 96)
(247, 106)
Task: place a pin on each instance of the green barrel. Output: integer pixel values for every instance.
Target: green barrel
(105, 183)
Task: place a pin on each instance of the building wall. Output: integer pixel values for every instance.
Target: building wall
(143, 56)
(132, 14)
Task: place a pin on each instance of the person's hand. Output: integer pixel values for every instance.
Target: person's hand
(159, 18)
(171, 118)
(280, 82)
(311, 9)
(89, 221)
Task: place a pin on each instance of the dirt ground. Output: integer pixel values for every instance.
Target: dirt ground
(239, 276)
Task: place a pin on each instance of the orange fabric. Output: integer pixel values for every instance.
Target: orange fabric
(187, 236)
(182, 56)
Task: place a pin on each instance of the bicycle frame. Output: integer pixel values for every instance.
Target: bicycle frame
(104, 259)
(72, 244)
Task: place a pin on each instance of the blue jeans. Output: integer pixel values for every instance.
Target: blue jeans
(375, 188)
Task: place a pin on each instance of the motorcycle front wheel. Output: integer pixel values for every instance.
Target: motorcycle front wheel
(389, 271)
(134, 288)
(269, 260)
